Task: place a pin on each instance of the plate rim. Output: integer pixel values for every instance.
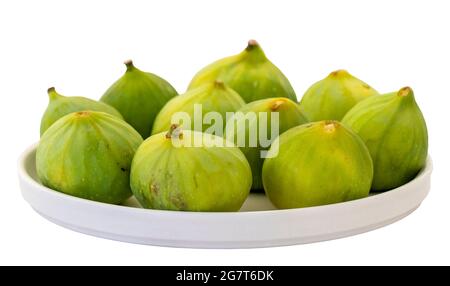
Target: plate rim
(24, 175)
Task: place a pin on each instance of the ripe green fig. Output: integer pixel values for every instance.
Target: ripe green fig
(249, 73)
(317, 164)
(331, 97)
(259, 123)
(394, 130)
(139, 96)
(59, 106)
(88, 154)
(190, 171)
(196, 104)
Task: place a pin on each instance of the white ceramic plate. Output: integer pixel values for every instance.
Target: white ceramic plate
(258, 224)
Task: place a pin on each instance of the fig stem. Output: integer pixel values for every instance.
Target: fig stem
(83, 113)
(330, 126)
(276, 105)
(253, 52)
(174, 132)
(129, 64)
(219, 84)
(339, 73)
(251, 45)
(405, 91)
(52, 94)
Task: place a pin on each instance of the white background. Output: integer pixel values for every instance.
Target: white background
(79, 47)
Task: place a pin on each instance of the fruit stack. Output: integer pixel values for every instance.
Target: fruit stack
(237, 129)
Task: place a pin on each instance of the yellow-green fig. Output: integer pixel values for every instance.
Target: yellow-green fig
(190, 171)
(259, 123)
(250, 73)
(317, 164)
(88, 154)
(331, 97)
(139, 96)
(60, 105)
(393, 128)
(198, 105)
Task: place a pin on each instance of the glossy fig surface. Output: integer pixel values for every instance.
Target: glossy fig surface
(394, 129)
(139, 96)
(88, 154)
(332, 97)
(316, 164)
(250, 73)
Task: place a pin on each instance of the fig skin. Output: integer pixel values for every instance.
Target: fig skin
(249, 73)
(332, 97)
(213, 96)
(60, 105)
(205, 178)
(139, 96)
(318, 163)
(88, 154)
(289, 115)
(393, 128)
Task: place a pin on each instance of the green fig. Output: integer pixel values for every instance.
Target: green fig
(170, 172)
(59, 106)
(88, 154)
(139, 96)
(317, 164)
(249, 73)
(196, 103)
(331, 97)
(256, 120)
(394, 130)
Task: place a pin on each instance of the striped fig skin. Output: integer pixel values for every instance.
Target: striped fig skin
(139, 96)
(318, 163)
(250, 73)
(88, 154)
(332, 97)
(205, 178)
(393, 128)
(60, 105)
(289, 115)
(214, 96)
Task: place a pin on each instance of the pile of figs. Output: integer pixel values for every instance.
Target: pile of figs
(342, 141)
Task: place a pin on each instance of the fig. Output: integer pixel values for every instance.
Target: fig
(60, 105)
(190, 171)
(88, 154)
(249, 73)
(393, 128)
(139, 96)
(196, 104)
(331, 97)
(259, 123)
(316, 164)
